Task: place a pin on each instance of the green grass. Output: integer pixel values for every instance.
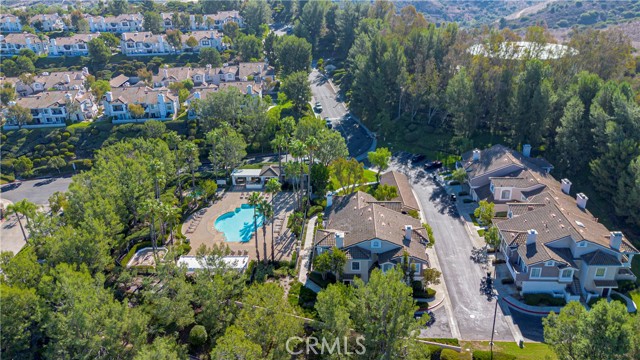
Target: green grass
(481, 232)
(369, 176)
(635, 267)
(531, 351)
(635, 296)
(255, 166)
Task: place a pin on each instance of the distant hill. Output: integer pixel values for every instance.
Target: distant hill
(467, 13)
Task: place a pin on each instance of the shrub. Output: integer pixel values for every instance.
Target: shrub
(626, 286)
(454, 182)
(434, 352)
(542, 299)
(499, 261)
(448, 354)
(507, 281)
(481, 232)
(467, 201)
(315, 210)
(134, 248)
(414, 214)
(197, 335)
(463, 193)
(617, 297)
(486, 355)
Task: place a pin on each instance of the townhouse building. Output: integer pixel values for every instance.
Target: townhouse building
(144, 43)
(76, 45)
(13, 43)
(54, 109)
(157, 104)
(10, 23)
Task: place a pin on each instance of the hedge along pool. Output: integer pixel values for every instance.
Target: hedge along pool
(237, 225)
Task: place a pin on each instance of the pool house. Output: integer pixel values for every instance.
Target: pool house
(254, 179)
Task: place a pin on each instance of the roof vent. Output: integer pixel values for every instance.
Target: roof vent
(580, 224)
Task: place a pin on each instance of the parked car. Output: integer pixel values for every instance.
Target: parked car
(432, 318)
(318, 107)
(453, 197)
(418, 158)
(327, 121)
(436, 164)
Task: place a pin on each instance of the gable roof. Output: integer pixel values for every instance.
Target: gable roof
(139, 95)
(401, 182)
(270, 170)
(142, 36)
(498, 157)
(75, 39)
(361, 219)
(48, 98)
(21, 38)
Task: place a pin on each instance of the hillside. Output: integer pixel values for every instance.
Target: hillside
(567, 14)
(467, 13)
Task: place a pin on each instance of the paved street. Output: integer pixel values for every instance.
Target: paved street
(358, 141)
(472, 312)
(37, 191)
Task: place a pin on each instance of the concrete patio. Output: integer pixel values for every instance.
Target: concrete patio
(199, 227)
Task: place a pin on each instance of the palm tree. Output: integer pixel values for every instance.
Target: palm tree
(298, 149)
(254, 200)
(151, 208)
(22, 207)
(173, 139)
(279, 143)
(157, 171)
(212, 138)
(273, 187)
(191, 155)
(266, 210)
(312, 145)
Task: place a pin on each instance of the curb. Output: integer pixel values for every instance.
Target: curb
(526, 311)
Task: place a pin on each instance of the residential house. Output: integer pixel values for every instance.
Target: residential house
(76, 45)
(47, 22)
(115, 24)
(167, 21)
(215, 21)
(120, 81)
(255, 71)
(46, 81)
(254, 179)
(13, 43)
(405, 192)
(157, 104)
(246, 87)
(53, 108)
(500, 175)
(205, 39)
(144, 43)
(10, 23)
(551, 243)
(373, 234)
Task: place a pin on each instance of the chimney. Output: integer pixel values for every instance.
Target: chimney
(615, 240)
(161, 99)
(581, 200)
(85, 71)
(165, 72)
(408, 231)
(566, 185)
(109, 96)
(89, 37)
(67, 97)
(249, 90)
(67, 78)
(476, 155)
(27, 40)
(339, 239)
(196, 95)
(532, 236)
(526, 150)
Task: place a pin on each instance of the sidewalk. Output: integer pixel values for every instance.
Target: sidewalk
(306, 249)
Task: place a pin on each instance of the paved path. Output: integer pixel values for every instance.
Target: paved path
(36, 191)
(306, 248)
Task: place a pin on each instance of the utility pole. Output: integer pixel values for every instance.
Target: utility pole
(493, 328)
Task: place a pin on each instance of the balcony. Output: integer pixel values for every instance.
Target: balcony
(625, 274)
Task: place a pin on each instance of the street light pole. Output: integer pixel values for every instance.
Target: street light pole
(493, 328)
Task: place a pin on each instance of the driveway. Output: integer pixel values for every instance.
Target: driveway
(472, 312)
(36, 191)
(358, 140)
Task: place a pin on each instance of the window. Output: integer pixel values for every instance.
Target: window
(582, 244)
(355, 266)
(417, 267)
(387, 267)
(375, 244)
(566, 273)
(535, 272)
(505, 195)
(491, 188)
(601, 272)
(549, 263)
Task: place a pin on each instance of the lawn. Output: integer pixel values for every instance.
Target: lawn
(531, 351)
(369, 176)
(255, 166)
(635, 296)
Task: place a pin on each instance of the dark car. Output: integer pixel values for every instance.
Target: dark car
(432, 318)
(418, 158)
(453, 197)
(436, 164)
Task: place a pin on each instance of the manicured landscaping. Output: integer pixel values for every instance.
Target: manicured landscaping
(481, 232)
(316, 277)
(531, 351)
(369, 176)
(543, 300)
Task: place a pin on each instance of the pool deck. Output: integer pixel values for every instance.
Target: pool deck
(205, 233)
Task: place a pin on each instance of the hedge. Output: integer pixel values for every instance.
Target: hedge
(448, 354)
(542, 299)
(486, 355)
(134, 248)
(447, 341)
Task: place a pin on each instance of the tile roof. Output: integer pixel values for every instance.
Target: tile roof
(139, 95)
(142, 36)
(599, 257)
(324, 238)
(243, 86)
(362, 221)
(118, 81)
(246, 69)
(270, 170)
(18, 38)
(497, 157)
(405, 192)
(75, 39)
(46, 99)
(202, 34)
(121, 17)
(222, 15)
(518, 209)
(357, 253)
(520, 179)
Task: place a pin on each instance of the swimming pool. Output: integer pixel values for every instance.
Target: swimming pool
(237, 225)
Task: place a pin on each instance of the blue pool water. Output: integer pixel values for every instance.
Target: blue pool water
(237, 226)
